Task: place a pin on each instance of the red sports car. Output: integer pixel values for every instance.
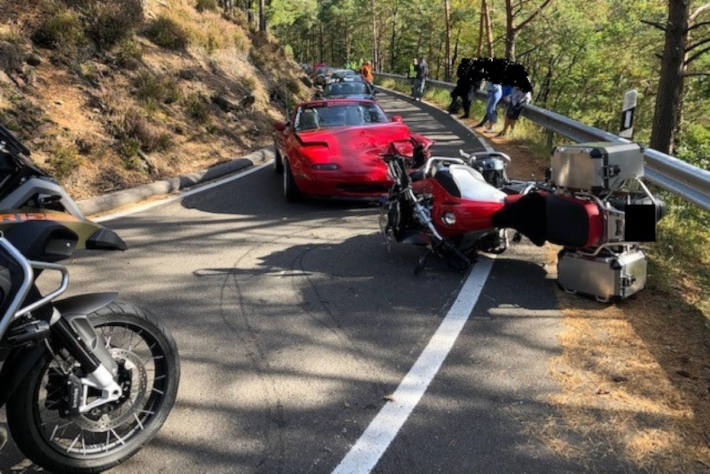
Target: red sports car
(333, 148)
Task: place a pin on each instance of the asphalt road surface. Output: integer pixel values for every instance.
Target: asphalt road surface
(295, 322)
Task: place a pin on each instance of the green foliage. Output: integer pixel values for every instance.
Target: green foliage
(64, 159)
(202, 5)
(61, 30)
(110, 21)
(166, 33)
(153, 90)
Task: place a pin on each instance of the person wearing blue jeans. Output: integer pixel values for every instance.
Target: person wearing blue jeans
(495, 92)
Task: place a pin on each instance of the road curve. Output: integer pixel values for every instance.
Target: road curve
(294, 321)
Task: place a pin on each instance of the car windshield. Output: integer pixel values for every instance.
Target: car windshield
(347, 88)
(338, 115)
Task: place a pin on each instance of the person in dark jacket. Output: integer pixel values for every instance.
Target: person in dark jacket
(422, 72)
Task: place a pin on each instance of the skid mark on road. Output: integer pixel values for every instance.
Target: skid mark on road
(373, 443)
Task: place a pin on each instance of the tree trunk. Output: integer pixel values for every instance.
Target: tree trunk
(666, 117)
(262, 16)
(250, 14)
(394, 36)
(455, 57)
(447, 53)
(510, 32)
(322, 46)
(374, 35)
(489, 29)
(479, 47)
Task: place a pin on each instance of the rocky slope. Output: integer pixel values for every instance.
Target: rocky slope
(113, 93)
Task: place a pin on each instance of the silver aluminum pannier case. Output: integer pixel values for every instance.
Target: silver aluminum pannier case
(597, 166)
(605, 277)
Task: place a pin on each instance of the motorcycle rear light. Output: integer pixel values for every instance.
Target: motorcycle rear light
(326, 166)
(449, 218)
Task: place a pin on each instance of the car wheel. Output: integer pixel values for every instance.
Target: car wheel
(291, 191)
(278, 161)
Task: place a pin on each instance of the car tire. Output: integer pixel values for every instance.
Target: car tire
(291, 191)
(278, 161)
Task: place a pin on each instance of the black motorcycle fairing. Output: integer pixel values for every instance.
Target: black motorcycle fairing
(17, 366)
(84, 304)
(43, 240)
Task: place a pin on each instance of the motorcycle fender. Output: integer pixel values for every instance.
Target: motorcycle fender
(76, 310)
(17, 366)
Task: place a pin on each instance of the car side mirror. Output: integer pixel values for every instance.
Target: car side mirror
(397, 118)
(280, 126)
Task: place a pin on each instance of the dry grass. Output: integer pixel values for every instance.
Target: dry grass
(634, 382)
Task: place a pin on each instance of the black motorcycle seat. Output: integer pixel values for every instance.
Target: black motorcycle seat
(443, 176)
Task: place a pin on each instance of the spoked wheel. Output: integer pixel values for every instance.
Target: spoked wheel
(48, 433)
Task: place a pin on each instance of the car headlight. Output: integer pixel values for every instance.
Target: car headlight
(449, 218)
(326, 166)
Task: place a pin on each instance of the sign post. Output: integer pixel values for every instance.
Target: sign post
(627, 114)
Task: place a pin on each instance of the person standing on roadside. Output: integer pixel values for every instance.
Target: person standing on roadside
(366, 72)
(495, 92)
(422, 73)
(518, 98)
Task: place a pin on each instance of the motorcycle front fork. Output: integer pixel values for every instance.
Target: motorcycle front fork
(97, 375)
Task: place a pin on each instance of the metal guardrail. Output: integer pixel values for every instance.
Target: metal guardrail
(674, 175)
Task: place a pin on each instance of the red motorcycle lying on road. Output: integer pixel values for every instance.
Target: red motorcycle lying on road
(446, 205)
(593, 204)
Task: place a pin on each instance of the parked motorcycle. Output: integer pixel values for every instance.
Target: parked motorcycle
(86, 380)
(447, 206)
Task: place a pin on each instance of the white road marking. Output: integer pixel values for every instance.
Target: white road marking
(373, 443)
(182, 195)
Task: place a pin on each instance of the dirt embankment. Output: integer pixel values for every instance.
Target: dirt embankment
(113, 93)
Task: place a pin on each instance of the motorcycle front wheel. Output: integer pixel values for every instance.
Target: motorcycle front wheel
(148, 372)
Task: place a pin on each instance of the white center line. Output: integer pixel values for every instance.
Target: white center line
(373, 443)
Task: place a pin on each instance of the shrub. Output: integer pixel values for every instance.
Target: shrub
(167, 33)
(241, 41)
(129, 54)
(61, 30)
(197, 107)
(64, 160)
(202, 5)
(257, 59)
(12, 55)
(293, 86)
(135, 131)
(153, 89)
(110, 21)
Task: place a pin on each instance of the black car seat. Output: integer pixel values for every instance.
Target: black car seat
(354, 116)
(308, 120)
